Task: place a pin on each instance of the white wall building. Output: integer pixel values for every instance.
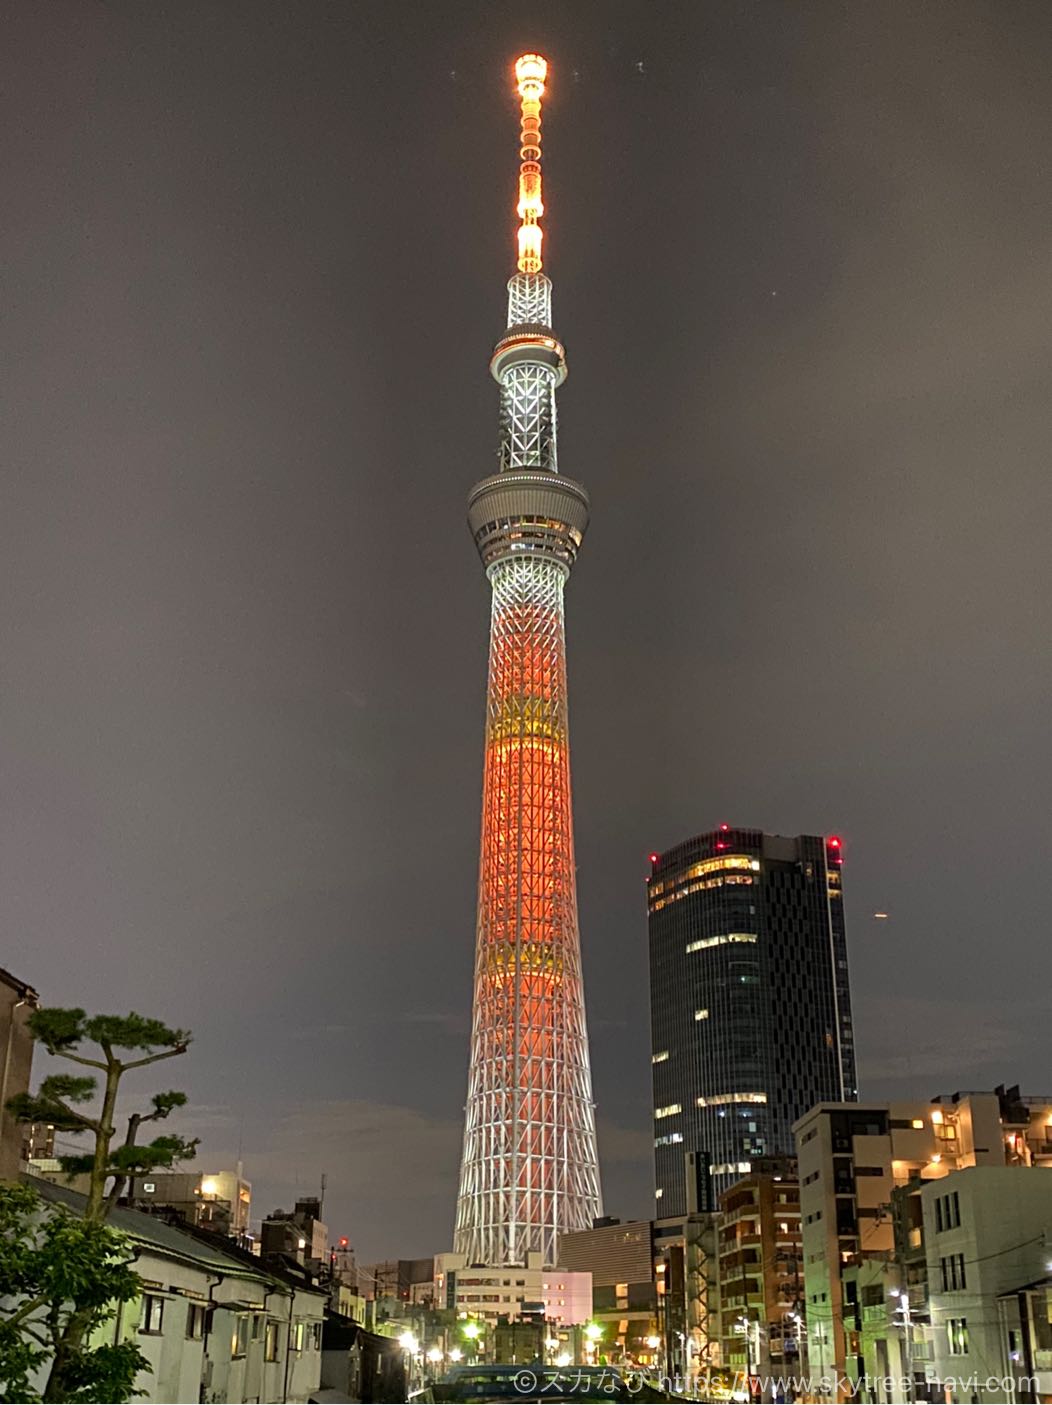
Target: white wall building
(987, 1234)
(489, 1293)
(852, 1158)
(215, 1325)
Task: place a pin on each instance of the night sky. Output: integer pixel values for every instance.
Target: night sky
(254, 257)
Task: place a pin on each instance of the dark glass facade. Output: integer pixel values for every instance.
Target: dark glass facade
(749, 999)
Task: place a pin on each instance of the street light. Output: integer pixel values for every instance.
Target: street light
(473, 1332)
(906, 1323)
(744, 1327)
(820, 1338)
(456, 1354)
(410, 1346)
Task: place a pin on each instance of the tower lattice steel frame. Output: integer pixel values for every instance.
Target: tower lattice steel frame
(529, 1171)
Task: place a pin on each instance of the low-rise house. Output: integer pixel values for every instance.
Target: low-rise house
(214, 1323)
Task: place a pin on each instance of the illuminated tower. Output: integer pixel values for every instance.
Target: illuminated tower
(529, 1171)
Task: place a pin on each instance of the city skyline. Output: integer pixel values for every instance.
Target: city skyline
(800, 264)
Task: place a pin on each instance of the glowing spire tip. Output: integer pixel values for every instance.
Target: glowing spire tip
(531, 70)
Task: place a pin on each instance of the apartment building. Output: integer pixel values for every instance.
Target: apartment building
(861, 1168)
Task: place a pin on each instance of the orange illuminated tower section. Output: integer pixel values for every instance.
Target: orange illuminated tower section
(529, 1171)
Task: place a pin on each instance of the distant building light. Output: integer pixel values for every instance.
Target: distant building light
(918, 1122)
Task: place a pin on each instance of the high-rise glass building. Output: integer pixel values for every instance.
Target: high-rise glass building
(749, 1000)
(529, 1171)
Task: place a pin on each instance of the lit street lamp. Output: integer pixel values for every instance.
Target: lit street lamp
(592, 1333)
(410, 1346)
(906, 1323)
(473, 1332)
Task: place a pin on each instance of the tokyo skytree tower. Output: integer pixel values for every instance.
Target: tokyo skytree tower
(529, 1171)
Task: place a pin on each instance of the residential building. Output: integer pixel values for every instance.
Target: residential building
(1026, 1314)
(761, 1280)
(487, 1293)
(862, 1167)
(988, 1239)
(687, 1268)
(622, 1260)
(404, 1280)
(216, 1200)
(750, 1004)
(361, 1365)
(17, 1002)
(213, 1322)
(299, 1234)
(38, 1144)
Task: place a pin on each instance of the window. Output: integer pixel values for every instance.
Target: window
(722, 940)
(660, 1058)
(195, 1321)
(952, 1271)
(947, 1211)
(669, 1139)
(315, 1335)
(720, 1099)
(257, 1326)
(239, 1337)
(270, 1345)
(152, 1315)
(299, 1336)
(701, 1014)
(957, 1334)
(669, 1111)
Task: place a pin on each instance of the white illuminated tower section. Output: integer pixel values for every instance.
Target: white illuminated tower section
(529, 1171)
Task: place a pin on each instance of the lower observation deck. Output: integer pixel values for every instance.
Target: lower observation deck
(535, 512)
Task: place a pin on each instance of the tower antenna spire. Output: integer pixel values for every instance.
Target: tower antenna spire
(530, 72)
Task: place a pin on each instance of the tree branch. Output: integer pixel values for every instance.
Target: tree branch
(79, 1059)
(24, 1311)
(156, 1058)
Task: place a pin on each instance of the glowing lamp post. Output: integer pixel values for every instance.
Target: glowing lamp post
(410, 1346)
(473, 1332)
(592, 1334)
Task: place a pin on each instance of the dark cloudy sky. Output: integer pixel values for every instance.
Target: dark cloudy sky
(254, 257)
